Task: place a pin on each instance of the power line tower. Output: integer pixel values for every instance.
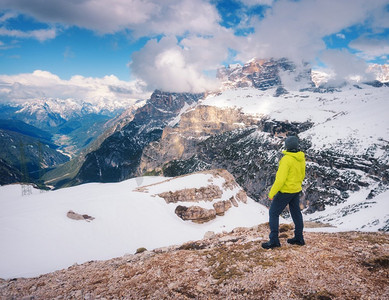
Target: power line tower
(26, 187)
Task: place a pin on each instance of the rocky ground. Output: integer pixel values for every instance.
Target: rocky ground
(231, 265)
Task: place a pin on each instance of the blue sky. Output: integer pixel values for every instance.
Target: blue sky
(176, 44)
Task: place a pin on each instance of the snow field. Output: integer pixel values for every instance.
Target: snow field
(37, 236)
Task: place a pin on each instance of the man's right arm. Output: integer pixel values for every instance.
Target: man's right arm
(281, 176)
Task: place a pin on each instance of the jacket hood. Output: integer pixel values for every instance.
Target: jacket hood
(300, 156)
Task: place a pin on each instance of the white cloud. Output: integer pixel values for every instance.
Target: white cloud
(295, 28)
(257, 2)
(140, 17)
(39, 34)
(343, 65)
(45, 85)
(178, 17)
(370, 48)
(167, 66)
(7, 15)
(341, 36)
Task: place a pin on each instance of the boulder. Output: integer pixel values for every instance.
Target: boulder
(196, 214)
(241, 196)
(221, 207)
(75, 216)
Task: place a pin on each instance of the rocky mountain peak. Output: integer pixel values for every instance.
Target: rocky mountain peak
(264, 74)
(163, 106)
(381, 72)
(118, 156)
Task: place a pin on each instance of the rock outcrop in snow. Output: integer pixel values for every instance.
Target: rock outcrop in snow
(219, 190)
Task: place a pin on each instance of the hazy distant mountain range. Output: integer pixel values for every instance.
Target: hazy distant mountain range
(63, 127)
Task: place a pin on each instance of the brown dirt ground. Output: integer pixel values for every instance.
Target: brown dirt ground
(231, 265)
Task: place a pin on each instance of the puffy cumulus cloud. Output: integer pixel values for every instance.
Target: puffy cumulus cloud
(99, 15)
(371, 48)
(343, 65)
(45, 85)
(179, 17)
(168, 66)
(295, 29)
(141, 17)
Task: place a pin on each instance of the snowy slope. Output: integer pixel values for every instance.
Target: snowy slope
(349, 121)
(357, 213)
(354, 115)
(37, 237)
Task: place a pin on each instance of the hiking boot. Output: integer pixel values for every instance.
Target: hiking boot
(295, 241)
(270, 245)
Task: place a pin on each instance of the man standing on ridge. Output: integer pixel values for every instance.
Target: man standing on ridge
(286, 190)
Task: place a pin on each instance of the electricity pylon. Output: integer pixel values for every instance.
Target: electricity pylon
(26, 187)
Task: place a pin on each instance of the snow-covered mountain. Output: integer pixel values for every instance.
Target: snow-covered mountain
(263, 74)
(74, 123)
(69, 108)
(381, 72)
(343, 130)
(49, 113)
(378, 73)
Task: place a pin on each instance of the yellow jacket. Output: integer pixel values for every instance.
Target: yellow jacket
(290, 174)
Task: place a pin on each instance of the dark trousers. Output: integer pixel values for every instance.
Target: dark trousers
(280, 201)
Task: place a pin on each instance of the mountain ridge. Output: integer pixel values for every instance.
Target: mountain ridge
(125, 146)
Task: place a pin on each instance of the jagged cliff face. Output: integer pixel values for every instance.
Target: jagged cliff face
(119, 155)
(181, 141)
(264, 74)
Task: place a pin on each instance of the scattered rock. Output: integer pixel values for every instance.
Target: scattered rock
(140, 250)
(209, 235)
(196, 214)
(233, 201)
(221, 207)
(241, 196)
(75, 216)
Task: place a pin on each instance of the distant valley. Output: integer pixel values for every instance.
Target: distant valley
(37, 136)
